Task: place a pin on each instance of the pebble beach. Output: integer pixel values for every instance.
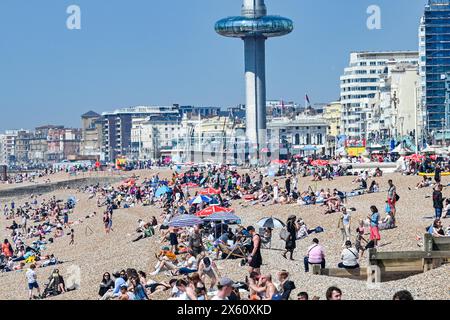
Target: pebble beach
(95, 252)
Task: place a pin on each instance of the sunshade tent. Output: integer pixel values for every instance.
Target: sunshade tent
(271, 222)
(211, 210)
(431, 149)
(185, 220)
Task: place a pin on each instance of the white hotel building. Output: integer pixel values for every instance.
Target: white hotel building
(360, 87)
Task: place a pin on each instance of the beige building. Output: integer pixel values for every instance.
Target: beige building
(91, 135)
(332, 115)
(7, 146)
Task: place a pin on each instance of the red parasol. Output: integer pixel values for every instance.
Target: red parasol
(416, 157)
(212, 209)
(210, 191)
(319, 163)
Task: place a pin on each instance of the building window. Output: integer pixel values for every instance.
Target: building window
(297, 139)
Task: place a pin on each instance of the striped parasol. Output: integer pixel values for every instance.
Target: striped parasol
(185, 220)
(271, 222)
(201, 198)
(222, 216)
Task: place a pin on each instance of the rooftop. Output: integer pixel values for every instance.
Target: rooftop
(90, 114)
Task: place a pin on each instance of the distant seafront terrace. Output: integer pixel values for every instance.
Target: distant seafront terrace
(266, 26)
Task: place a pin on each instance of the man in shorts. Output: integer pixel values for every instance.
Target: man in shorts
(392, 197)
(32, 281)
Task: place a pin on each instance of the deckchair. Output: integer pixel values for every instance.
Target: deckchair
(235, 251)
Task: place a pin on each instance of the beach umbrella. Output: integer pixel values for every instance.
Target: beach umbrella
(185, 220)
(416, 157)
(271, 222)
(162, 190)
(201, 198)
(319, 163)
(210, 191)
(211, 210)
(222, 216)
(72, 199)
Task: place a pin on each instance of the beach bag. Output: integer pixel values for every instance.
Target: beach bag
(284, 234)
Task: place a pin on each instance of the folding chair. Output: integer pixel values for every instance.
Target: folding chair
(237, 251)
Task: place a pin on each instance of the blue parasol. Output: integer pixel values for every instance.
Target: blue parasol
(222, 216)
(185, 220)
(162, 190)
(200, 199)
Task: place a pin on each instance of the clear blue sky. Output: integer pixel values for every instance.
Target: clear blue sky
(145, 52)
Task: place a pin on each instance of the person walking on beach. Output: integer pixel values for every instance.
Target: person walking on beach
(106, 221)
(374, 221)
(32, 281)
(437, 174)
(72, 237)
(392, 196)
(275, 191)
(66, 220)
(288, 186)
(344, 225)
(438, 201)
(173, 236)
(292, 237)
(255, 258)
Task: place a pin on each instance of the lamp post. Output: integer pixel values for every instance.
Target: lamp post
(416, 129)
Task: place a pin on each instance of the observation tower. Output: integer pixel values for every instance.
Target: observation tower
(254, 27)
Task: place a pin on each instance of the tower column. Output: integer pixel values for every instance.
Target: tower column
(255, 82)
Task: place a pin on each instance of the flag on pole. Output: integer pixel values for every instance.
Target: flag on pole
(307, 99)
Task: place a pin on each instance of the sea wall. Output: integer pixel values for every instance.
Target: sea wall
(24, 191)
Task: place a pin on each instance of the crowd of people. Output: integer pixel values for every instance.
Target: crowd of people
(190, 251)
